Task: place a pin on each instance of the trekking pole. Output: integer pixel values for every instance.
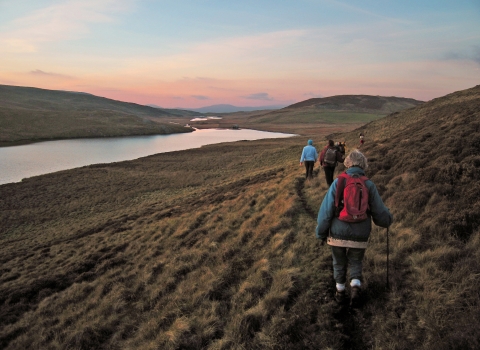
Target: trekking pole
(388, 285)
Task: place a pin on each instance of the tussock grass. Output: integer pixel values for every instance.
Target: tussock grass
(144, 255)
(424, 165)
(156, 265)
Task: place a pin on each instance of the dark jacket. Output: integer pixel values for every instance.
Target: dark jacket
(353, 235)
(338, 155)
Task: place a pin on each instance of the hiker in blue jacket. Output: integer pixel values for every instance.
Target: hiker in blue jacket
(309, 156)
(348, 240)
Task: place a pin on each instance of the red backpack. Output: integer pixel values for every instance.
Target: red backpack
(351, 199)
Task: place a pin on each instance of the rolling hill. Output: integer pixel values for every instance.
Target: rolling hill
(31, 114)
(314, 116)
(148, 254)
(311, 115)
(363, 103)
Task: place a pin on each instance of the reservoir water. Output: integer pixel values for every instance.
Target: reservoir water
(19, 162)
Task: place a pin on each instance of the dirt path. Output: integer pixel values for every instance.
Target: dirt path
(350, 322)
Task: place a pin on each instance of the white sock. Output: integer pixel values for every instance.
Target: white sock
(355, 283)
(340, 287)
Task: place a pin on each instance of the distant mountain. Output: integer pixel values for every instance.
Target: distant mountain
(364, 103)
(28, 113)
(226, 108)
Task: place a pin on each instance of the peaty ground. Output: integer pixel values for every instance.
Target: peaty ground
(211, 247)
(214, 248)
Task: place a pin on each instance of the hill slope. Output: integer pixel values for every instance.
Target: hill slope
(365, 103)
(149, 254)
(426, 164)
(436, 147)
(28, 114)
(308, 117)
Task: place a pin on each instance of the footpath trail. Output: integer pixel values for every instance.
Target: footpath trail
(350, 322)
(243, 247)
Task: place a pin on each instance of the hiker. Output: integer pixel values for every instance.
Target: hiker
(329, 159)
(309, 157)
(361, 140)
(342, 148)
(346, 233)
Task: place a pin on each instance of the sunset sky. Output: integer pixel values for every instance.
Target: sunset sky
(195, 53)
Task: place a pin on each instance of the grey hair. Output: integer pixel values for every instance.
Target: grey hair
(356, 158)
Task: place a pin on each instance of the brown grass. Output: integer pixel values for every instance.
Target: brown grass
(32, 115)
(214, 248)
(424, 164)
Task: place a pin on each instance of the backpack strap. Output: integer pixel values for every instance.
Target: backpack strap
(341, 180)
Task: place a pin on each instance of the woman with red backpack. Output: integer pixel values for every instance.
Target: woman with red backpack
(345, 221)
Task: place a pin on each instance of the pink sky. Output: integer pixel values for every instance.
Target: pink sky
(136, 51)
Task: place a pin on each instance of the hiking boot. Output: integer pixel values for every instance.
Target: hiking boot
(340, 296)
(355, 296)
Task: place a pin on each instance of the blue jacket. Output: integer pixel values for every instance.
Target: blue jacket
(309, 153)
(343, 233)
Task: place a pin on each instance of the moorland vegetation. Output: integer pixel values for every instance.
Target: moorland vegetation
(315, 116)
(32, 114)
(221, 253)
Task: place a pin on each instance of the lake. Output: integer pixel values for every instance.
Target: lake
(19, 162)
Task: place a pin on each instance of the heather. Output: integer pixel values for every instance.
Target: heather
(214, 248)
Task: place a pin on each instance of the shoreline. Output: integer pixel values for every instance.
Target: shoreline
(31, 141)
(128, 156)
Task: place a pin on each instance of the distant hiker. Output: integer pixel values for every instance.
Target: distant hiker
(344, 222)
(309, 157)
(342, 148)
(329, 158)
(361, 139)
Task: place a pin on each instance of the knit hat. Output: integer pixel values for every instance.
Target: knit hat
(310, 142)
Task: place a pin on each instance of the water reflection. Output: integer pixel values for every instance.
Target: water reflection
(45, 157)
(199, 119)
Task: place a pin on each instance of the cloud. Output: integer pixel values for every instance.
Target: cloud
(201, 97)
(259, 96)
(472, 55)
(200, 79)
(39, 72)
(61, 21)
(476, 54)
(312, 95)
(222, 58)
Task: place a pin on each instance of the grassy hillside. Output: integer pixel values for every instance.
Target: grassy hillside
(426, 164)
(214, 248)
(31, 114)
(314, 116)
(364, 103)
